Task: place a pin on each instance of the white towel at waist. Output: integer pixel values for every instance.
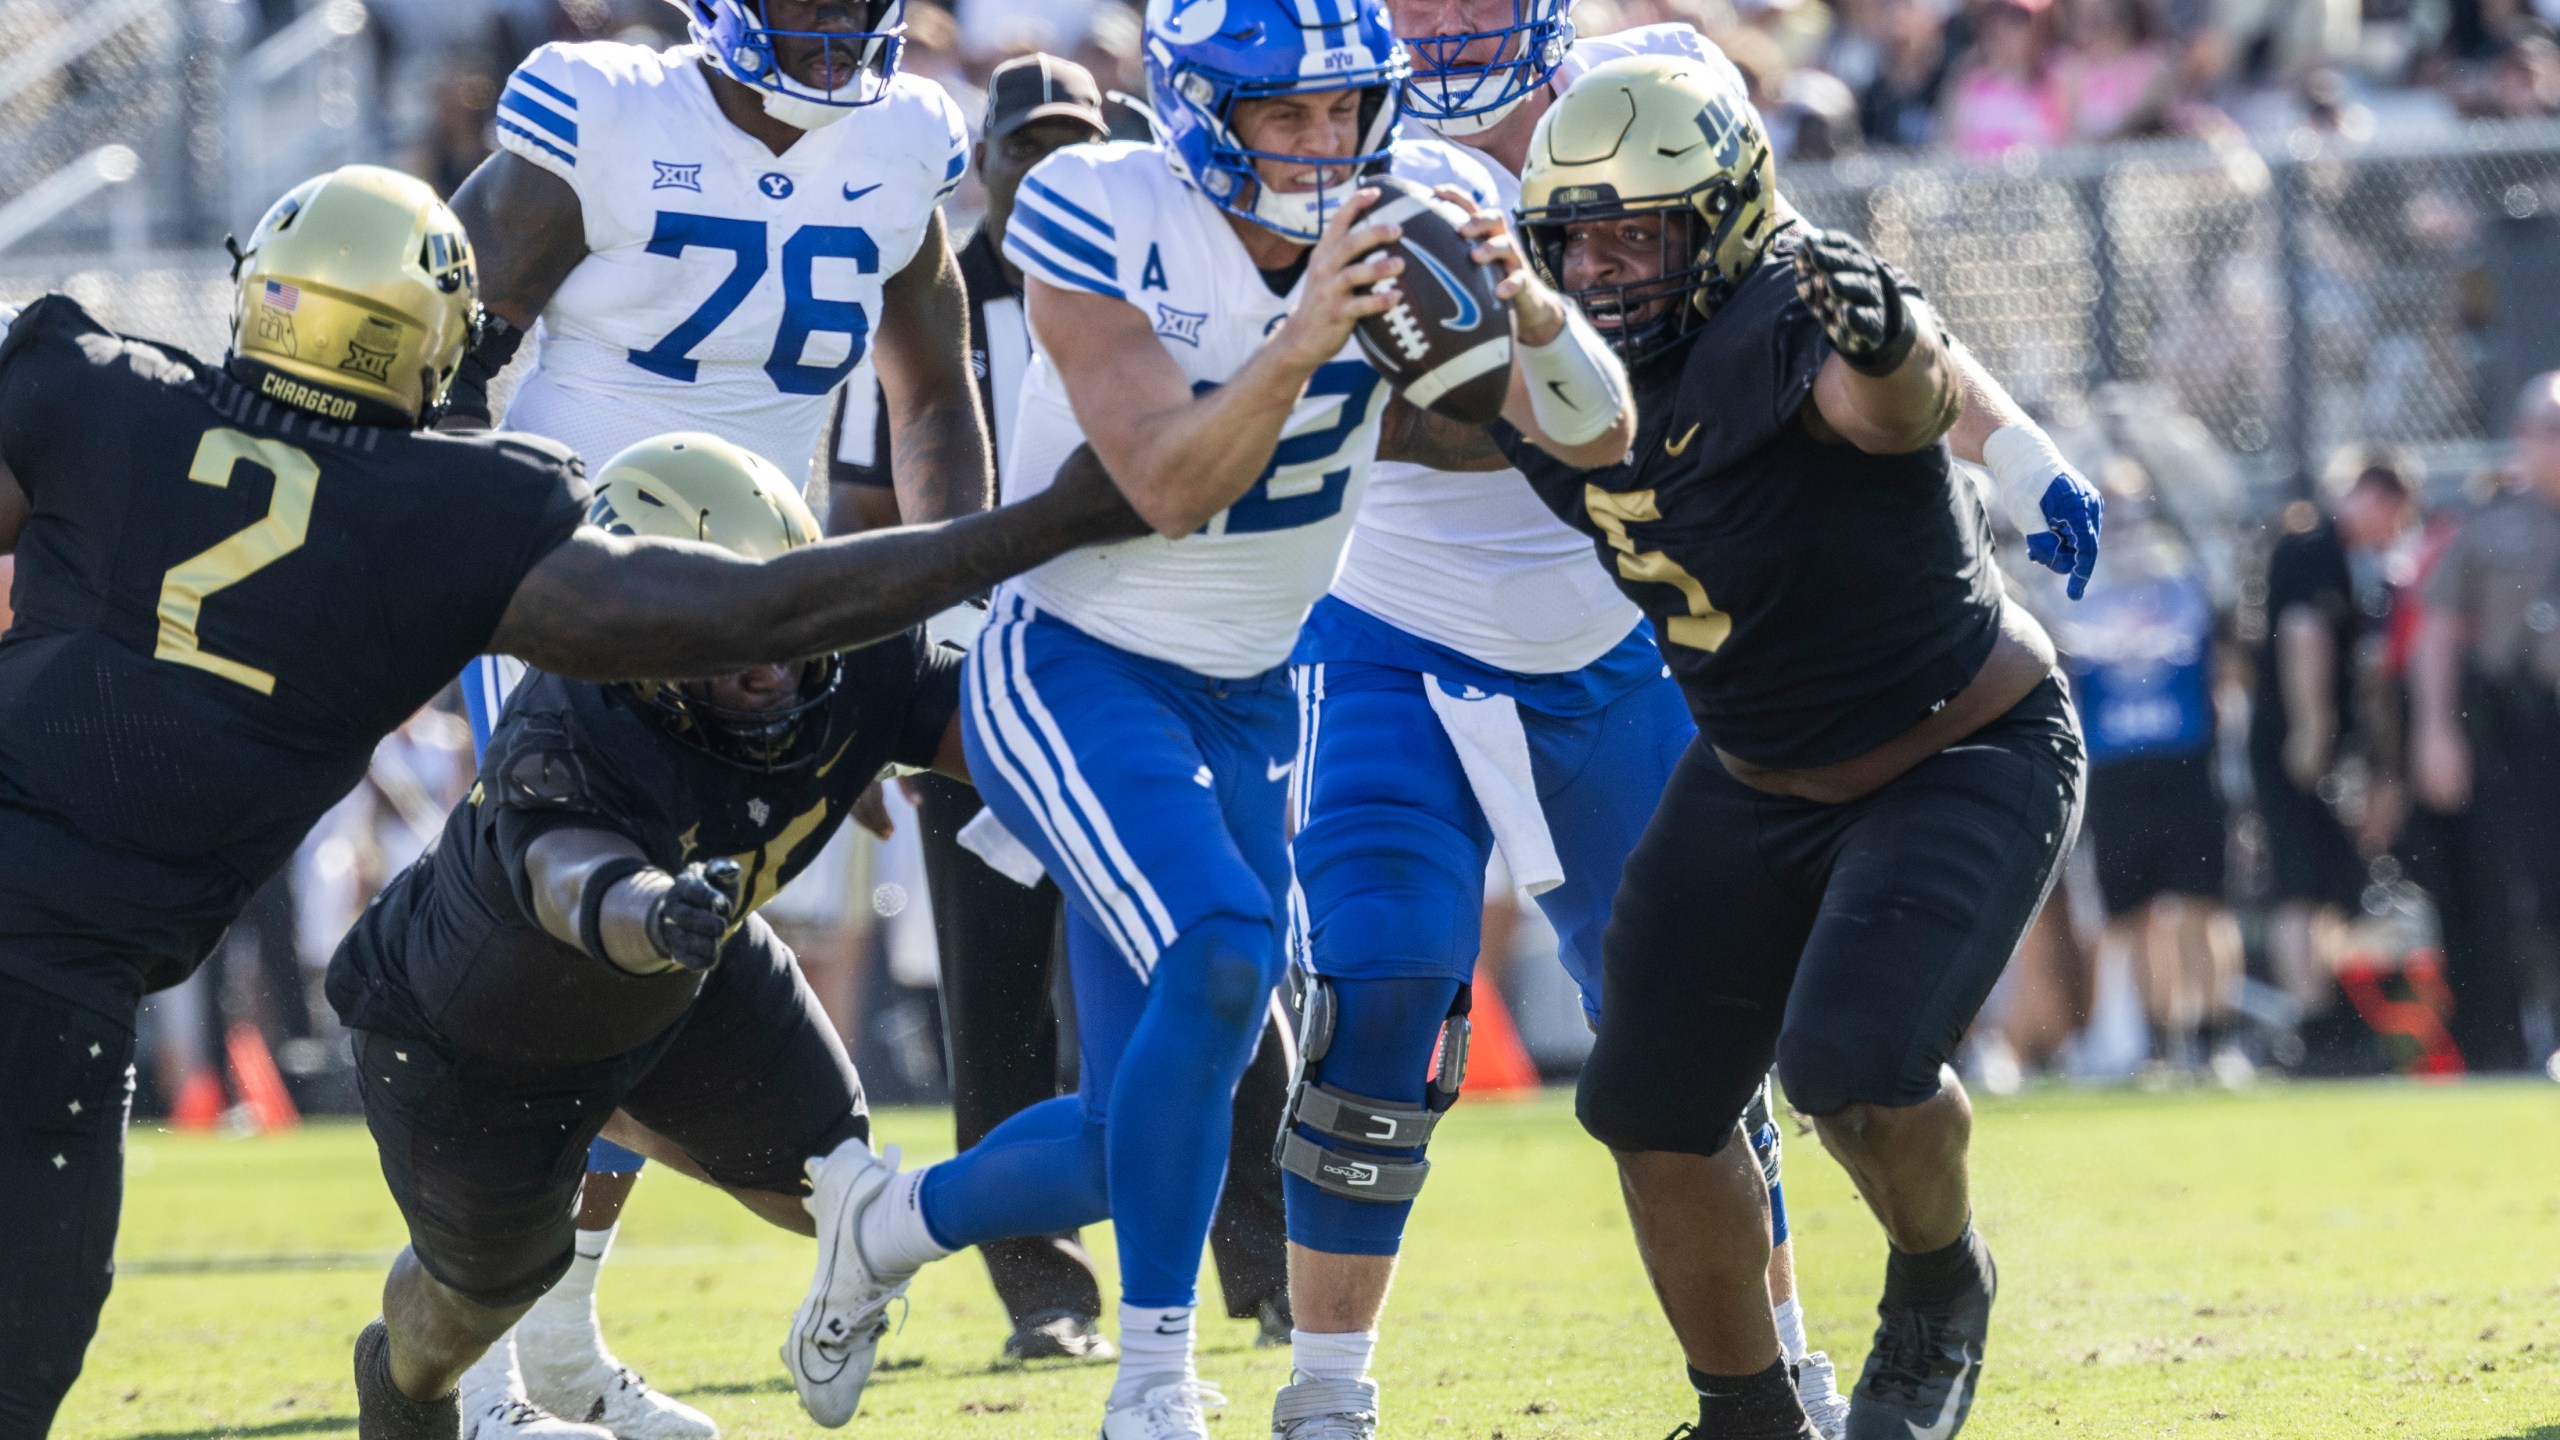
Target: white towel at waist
(985, 837)
(1485, 731)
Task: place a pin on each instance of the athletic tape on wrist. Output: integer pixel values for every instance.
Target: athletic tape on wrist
(2018, 455)
(1576, 389)
(600, 881)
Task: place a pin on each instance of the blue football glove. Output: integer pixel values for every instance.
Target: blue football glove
(2074, 513)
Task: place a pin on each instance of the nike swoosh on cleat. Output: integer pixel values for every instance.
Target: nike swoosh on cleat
(852, 194)
(1669, 448)
(1946, 1422)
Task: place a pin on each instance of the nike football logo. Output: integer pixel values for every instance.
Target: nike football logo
(1276, 771)
(1674, 447)
(852, 194)
(1946, 1421)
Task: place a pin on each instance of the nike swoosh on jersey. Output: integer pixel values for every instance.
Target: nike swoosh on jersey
(1946, 1421)
(852, 194)
(1671, 447)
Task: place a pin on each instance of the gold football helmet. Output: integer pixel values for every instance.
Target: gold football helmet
(358, 285)
(692, 486)
(1653, 135)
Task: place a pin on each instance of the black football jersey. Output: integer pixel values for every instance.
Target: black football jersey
(222, 603)
(1814, 600)
(451, 949)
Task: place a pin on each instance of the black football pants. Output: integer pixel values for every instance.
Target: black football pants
(1849, 943)
(68, 1076)
(999, 947)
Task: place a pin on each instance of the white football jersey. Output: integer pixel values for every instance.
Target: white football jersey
(726, 288)
(1112, 220)
(1476, 561)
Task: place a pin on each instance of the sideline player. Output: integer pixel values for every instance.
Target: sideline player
(563, 953)
(997, 939)
(1467, 624)
(711, 238)
(1131, 720)
(188, 685)
(1888, 771)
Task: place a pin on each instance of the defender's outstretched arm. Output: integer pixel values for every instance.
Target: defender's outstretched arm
(609, 607)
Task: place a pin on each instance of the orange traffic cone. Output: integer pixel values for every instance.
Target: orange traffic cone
(199, 1103)
(261, 1085)
(1497, 1063)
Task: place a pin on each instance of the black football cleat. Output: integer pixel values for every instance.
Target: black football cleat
(1058, 1335)
(382, 1412)
(1920, 1378)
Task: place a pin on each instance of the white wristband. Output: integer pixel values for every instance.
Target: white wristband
(1576, 388)
(2019, 456)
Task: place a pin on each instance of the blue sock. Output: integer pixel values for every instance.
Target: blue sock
(1172, 1101)
(1038, 1173)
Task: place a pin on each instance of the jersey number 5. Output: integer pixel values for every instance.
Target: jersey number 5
(804, 313)
(1704, 627)
(245, 553)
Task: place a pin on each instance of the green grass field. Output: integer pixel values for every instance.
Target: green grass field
(2298, 1261)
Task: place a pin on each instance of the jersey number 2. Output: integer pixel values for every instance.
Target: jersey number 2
(245, 553)
(804, 313)
(1704, 627)
(1302, 485)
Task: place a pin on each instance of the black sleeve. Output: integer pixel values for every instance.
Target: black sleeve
(930, 706)
(28, 413)
(537, 778)
(2296, 575)
(851, 459)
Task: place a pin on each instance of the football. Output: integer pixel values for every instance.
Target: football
(1446, 345)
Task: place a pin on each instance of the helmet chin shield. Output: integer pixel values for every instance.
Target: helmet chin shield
(766, 741)
(738, 39)
(1460, 96)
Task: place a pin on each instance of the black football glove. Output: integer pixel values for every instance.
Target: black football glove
(1858, 298)
(690, 918)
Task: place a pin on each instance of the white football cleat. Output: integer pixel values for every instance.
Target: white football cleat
(836, 1336)
(1174, 1410)
(1818, 1389)
(1325, 1410)
(495, 1407)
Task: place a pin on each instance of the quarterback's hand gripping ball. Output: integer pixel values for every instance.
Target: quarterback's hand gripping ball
(691, 917)
(1858, 298)
(1446, 343)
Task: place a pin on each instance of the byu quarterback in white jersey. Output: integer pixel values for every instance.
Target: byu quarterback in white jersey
(1114, 220)
(722, 283)
(711, 237)
(1131, 721)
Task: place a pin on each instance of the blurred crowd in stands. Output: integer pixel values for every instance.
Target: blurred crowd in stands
(2324, 830)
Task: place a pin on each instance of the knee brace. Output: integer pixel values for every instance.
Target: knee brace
(1352, 1132)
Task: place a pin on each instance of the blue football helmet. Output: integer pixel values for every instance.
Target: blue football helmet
(1458, 96)
(1203, 56)
(735, 37)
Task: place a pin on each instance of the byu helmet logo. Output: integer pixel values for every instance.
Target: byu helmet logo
(1187, 22)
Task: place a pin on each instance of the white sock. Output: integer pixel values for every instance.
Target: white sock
(894, 1237)
(1790, 1315)
(1334, 1355)
(571, 1304)
(1155, 1347)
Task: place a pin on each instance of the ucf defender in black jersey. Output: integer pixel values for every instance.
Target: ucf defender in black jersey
(232, 580)
(566, 952)
(1887, 773)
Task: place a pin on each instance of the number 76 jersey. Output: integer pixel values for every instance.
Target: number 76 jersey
(1112, 220)
(725, 288)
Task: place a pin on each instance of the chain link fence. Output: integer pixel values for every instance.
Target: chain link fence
(2289, 302)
